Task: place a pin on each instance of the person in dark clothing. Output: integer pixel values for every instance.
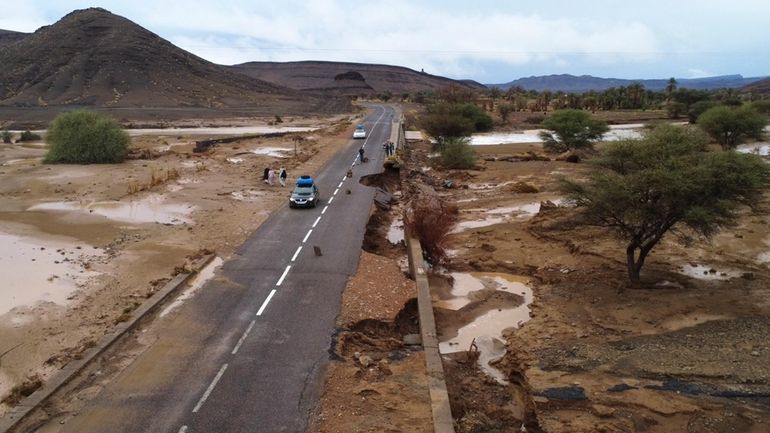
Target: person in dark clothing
(266, 175)
(282, 176)
(361, 155)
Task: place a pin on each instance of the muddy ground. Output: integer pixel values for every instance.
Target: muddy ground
(684, 354)
(82, 246)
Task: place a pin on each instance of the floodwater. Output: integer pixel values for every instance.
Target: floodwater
(704, 272)
(760, 148)
(616, 132)
(487, 329)
(276, 152)
(197, 282)
(150, 209)
(40, 270)
(211, 131)
(502, 214)
(396, 232)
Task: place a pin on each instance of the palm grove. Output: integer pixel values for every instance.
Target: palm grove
(670, 181)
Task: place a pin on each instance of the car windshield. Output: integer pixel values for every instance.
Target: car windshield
(360, 127)
(303, 190)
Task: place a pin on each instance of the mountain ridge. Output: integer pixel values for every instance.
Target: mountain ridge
(584, 83)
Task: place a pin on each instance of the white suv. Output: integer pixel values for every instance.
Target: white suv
(360, 132)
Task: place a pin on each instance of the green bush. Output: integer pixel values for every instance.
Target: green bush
(762, 106)
(458, 153)
(85, 137)
(699, 108)
(29, 136)
(730, 126)
(6, 136)
(571, 129)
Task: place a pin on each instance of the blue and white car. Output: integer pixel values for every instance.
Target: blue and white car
(360, 131)
(305, 193)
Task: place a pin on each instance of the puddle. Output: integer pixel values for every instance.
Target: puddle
(276, 152)
(764, 257)
(703, 272)
(248, 195)
(197, 282)
(396, 232)
(40, 270)
(151, 209)
(486, 330)
(761, 149)
(502, 214)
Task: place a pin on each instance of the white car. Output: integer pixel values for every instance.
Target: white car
(360, 132)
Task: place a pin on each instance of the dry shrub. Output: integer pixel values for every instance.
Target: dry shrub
(431, 221)
(524, 188)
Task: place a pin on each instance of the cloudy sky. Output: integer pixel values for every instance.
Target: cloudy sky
(491, 41)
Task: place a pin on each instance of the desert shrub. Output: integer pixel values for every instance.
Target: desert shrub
(699, 108)
(535, 119)
(29, 136)
(730, 126)
(457, 153)
(431, 221)
(85, 137)
(761, 106)
(6, 136)
(278, 119)
(571, 129)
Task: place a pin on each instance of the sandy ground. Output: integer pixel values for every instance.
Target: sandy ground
(82, 246)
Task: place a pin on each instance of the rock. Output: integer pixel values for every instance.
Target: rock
(754, 353)
(365, 360)
(602, 411)
(412, 340)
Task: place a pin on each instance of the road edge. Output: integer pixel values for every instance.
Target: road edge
(439, 397)
(12, 419)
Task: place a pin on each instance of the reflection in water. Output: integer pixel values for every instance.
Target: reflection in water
(151, 209)
(486, 330)
(703, 272)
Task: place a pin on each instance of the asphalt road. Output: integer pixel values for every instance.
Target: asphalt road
(247, 353)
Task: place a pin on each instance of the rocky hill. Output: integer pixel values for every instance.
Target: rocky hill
(762, 86)
(8, 37)
(347, 78)
(94, 58)
(584, 83)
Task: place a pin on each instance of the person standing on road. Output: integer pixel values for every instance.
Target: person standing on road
(361, 155)
(282, 176)
(391, 148)
(271, 177)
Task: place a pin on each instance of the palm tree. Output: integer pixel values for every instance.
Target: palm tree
(670, 87)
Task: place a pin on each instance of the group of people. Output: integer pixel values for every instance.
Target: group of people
(270, 176)
(390, 148)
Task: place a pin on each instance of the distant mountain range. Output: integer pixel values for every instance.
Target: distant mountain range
(584, 83)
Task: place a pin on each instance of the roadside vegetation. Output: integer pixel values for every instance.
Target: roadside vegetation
(730, 126)
(666, 182)
(6, 136)
(85, 137)
(431, 221)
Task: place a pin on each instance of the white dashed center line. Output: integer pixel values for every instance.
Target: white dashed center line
(336, 191)
(285, 272)
(183, 429)
(296, 253)
(243, 337)
(316, 221)
(307, 235)
(209, 389)
(325, 208)
(264, 304)
(340, 185)
(331, 199)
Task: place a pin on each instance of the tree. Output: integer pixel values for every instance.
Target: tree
(699, 108)
(458, 153)
(504, 110)
(443, 121)
(85, 137)
(729, 126)
(670, 87)
(666, 181)
(6, 136)
(571, 129)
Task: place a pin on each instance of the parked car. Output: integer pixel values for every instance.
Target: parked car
(305, 193)
(360, 131)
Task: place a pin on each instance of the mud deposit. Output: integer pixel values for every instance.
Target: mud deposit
(683, 354)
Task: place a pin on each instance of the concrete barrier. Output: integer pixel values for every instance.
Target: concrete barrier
(12, 419)
(439, 397)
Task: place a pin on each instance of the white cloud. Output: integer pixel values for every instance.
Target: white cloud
(440, 40)
(699, 73)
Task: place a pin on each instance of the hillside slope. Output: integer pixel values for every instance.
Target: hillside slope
(92, 57)
(347, 78)
(8, 37)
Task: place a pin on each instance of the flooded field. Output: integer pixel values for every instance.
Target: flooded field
(150, 209)
(616, 132)
(40, 269)
(489, 217)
